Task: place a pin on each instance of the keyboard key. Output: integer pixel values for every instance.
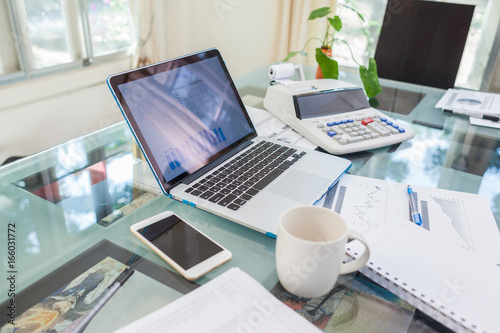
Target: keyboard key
(240, 202)
(207, 194)
(252, 191)
(203, 188)
(379, 129)
(246, 197)
(196, 192)
(269, 178)
(237, 192)
(367, 121)
(393, 130)
(355, 139)
(284, 166)
(189, 190)
(226, 200)
(233, 206)
(225, 191)
(216, 197)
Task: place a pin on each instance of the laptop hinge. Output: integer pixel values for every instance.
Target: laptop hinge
(216, 162)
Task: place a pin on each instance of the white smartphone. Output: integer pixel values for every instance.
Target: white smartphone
(185, 248)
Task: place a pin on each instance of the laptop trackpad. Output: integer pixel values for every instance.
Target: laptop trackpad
(299, 186)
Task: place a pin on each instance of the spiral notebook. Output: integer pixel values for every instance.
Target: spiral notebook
(454, 286)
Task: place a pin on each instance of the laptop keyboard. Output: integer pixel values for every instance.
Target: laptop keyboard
(243, 177)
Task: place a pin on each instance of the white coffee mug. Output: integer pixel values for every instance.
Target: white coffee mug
(310, 249)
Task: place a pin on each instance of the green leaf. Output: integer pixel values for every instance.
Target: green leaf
(369, 77)
(329, 67)
(354, 10)
(335, 22)
(374, 103)
(320, 12)
(293, 54)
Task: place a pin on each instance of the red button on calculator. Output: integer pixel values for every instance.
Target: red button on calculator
(366, 121)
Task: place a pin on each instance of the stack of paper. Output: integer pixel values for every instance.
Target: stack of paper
(232, 302)
(474, 104)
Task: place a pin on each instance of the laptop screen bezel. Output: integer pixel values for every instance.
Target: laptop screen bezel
(114, 81)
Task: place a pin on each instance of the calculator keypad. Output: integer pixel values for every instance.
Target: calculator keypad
(359, 128)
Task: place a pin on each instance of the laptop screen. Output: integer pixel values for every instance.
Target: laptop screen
(185, 113)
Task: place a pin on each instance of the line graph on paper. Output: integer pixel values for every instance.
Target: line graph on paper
(449, 220)
(362, 205)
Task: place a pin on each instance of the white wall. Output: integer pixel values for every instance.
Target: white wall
(45, 112)
(247, 32)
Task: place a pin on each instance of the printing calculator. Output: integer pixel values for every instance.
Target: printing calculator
(335, 115)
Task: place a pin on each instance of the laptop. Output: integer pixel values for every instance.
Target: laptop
(203, 149)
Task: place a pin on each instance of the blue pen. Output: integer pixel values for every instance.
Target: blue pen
(415, 215)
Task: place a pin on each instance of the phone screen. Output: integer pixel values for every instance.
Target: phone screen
(181, 242)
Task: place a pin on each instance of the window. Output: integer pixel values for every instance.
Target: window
(479, 48)
(45, 37)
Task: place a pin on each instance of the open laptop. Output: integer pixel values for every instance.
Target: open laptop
(203, 149)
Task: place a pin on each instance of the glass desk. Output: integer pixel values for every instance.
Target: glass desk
(66, 209)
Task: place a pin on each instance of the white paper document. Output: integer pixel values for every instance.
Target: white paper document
(468, 100)
(464, 219)
(484, 122)
(269, 126)
(232, 302)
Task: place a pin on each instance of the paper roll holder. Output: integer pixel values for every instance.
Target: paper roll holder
(297, 68)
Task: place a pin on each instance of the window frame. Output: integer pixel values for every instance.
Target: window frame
(80, 45)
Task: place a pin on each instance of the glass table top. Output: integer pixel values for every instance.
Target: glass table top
(66, 209)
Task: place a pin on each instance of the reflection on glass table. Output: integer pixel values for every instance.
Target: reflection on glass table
(100, 193)
(72, 205)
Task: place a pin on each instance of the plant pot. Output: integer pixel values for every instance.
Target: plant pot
(328, 52)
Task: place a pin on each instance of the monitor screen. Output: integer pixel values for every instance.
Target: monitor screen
(185, 113)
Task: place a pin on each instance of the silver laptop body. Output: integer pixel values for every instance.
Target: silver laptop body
(202, 147)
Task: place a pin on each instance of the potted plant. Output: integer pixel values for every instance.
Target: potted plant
(328, 66)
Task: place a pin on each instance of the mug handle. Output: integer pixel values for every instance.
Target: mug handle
(358, 263)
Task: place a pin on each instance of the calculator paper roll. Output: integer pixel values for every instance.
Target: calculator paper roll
(282, 71)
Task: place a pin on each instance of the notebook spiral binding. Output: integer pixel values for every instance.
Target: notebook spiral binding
(412, 296)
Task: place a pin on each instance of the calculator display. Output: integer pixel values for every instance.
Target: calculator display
(329, 102)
